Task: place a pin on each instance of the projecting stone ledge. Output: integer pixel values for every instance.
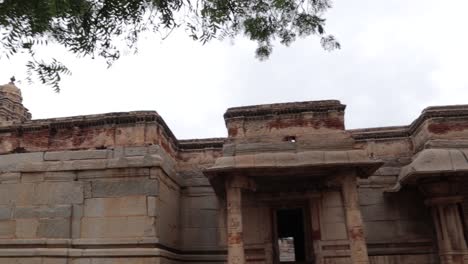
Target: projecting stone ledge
(32, 162)
(297, 162)
(432, 163)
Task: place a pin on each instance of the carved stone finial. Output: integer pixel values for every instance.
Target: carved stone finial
(12, 80)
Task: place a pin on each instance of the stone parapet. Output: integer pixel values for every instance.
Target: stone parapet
(274, 122)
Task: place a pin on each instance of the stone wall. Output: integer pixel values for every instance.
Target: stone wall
(89, 206)
(202, 218)
(120, 188)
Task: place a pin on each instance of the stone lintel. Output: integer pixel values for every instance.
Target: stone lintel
(305, 162)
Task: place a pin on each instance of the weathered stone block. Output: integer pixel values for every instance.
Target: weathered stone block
(135, 161)
(202, 218)
(32, 177)
(76, 155)
(114, 173)
(135, 151)
(156, 173)
(379, 212)
(26, 260)
(5, 212)
(333, 215)
(334, 231)
(26, 228)
(59, 193)
(380, 231)
(116, 206)
(80, 261)
(113, 227)
(152, 205)
(404, 259)
(197, 181)
(19, 194)
(60, 176)
(10, 162)
(44, 166)
(368, 196)
(54, 228)
(415, 229)
(112, 188)
(209, 201)
(87, 189)
(200, 237)
(120, 260)
(7, 229)
(77, 214)
(337, 260)
(332, 199)
(98, 164)
(43, 211)
(10, 177)
(54, 261)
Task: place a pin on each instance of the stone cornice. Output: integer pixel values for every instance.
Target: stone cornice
(380, 132)
(118, 118)
(90, 121)
(197, 144)
(452, 111)
(260, 111)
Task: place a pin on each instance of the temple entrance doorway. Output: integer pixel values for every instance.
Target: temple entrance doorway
(290, 235)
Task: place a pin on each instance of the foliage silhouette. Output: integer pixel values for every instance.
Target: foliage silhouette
(97, 27)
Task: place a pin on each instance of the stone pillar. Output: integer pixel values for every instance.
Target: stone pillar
(235, 240)
(354, 222)
(449, 229)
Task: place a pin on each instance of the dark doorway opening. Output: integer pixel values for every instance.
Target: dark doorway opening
(291, 235)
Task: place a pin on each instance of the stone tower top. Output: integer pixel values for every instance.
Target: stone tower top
(11, 104)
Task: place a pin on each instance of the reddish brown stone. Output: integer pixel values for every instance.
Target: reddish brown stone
(232, 131)
(356, 233)
(235, 238)
(443, 128)
(331, 122)
(316, 235)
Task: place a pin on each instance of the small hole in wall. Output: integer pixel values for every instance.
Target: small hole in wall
(291, 139)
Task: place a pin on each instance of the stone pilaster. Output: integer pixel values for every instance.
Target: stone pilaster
(449, 229)
(354, 222)
(235, 238)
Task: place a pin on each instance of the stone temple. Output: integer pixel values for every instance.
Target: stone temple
(289, 184)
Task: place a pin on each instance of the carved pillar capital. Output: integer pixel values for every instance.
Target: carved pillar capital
(447, 200)
(440, 188)
(241, 182)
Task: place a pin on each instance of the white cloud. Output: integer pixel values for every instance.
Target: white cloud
(397, 58)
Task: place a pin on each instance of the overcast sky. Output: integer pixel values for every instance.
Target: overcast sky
(397, 57)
